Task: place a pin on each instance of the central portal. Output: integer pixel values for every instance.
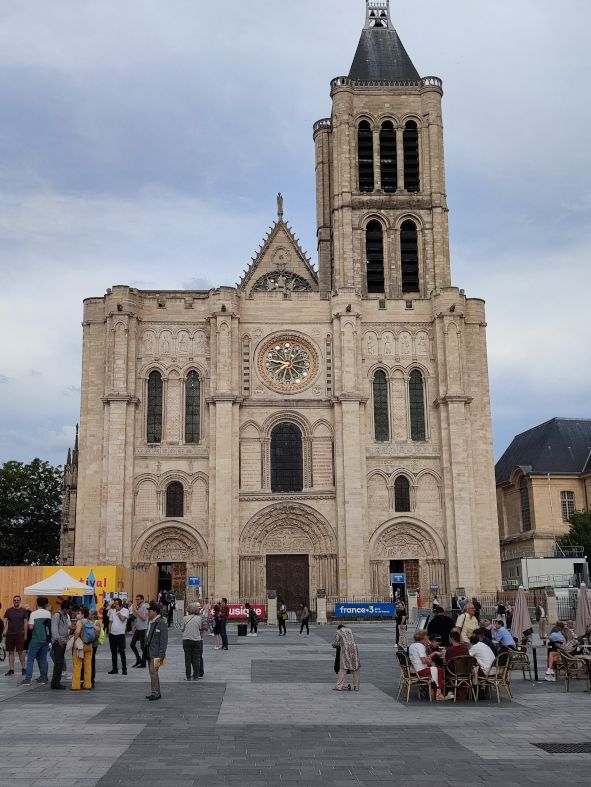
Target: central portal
(289, 575)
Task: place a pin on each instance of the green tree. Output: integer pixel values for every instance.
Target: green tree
(30, 513)
(579, 534)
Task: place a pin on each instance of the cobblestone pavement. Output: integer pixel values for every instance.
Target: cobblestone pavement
(265, 715)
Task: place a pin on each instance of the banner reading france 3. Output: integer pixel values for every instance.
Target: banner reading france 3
(354, 609)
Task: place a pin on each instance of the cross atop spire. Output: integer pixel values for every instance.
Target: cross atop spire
(378, 14)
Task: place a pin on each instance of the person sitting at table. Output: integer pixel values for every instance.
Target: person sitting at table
(423, 665)
(440, 626)
(503, 636)
(434, 649)
(558, 642)
(484, 635)
(456, 647)
(483, 655)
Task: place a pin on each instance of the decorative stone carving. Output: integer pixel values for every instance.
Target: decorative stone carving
(388, 343)
(286, 527)
(171, 544)
(404, 542)
(281, 281)
(404, 343)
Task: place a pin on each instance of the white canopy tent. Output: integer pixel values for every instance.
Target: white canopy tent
(59, 584)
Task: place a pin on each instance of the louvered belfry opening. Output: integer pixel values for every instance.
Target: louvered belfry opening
(192, 408)
(412, 182)
(409, 256)
(365, 156)
(416, 396)
(287, 467)
(388, 158)
(374, 247)
(381, 417)
(154, 409)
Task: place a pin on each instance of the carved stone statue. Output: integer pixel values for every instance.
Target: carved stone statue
(280, 206)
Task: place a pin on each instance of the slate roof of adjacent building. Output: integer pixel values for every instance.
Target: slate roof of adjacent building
(561, 445)
(382, 56)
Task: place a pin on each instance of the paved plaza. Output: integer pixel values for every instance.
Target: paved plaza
(265, 715)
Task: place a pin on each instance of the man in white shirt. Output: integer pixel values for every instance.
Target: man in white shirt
(483, 655)
(40, 625)
(423, 665)
(118, 616)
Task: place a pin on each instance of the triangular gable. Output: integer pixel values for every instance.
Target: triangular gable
(280, 263)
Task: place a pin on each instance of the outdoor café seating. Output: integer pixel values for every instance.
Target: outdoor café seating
(409, 679)
(499, 676)
(520, 661)
(460, 675)
(575, 668)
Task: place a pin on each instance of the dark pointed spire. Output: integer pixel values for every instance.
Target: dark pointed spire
(381, 55)
(69, 459)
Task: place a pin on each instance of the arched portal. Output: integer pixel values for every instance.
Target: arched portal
(407, 546)
(179, 551)
(290, 548)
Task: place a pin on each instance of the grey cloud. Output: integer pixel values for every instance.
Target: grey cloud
(4, 379)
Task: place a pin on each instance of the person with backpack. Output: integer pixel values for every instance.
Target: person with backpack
(40, 631)
(85, 635)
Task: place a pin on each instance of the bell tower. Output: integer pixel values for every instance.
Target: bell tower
(380, 181)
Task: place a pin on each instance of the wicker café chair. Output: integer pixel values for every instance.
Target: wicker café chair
(460, 675)
(499, 676)
(520, 660)
(409, 678)
(575, 668)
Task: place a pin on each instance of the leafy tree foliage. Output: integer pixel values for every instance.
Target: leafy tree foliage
(579, 534)
(30, 513)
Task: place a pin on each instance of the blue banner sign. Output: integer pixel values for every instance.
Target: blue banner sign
(194, 581)
(355, 609)
(398, 579)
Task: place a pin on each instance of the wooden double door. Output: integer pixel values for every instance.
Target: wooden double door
(289, 575)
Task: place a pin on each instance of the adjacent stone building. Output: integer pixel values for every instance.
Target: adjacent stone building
(543, 477)
(306, 430)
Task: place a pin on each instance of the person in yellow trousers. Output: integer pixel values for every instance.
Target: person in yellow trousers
(85, 635)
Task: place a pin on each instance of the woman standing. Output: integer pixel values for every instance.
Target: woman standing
(349, 662)
(282, 617)
(304, 618)
(100, 638)
(85, 634)
(217, 627)
(193, 643)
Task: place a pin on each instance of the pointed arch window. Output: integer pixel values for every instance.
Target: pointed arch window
(409, 256)
(525, 509)
(381, 410)
(412, 178)
(175, 499)
(416, 396)
(365, 156)
(401, 494)
(388, 157)
(374, 247)
(192, 408)
(287, 466)
(154, 410)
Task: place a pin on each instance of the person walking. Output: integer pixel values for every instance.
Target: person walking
(117, 627)
(156, 644)
(282, 617)
(86, 634)
(252, 619)
(16, 620)
(61, 628)
(40, 627)
(224, 612)
(349, 661)
(304, 618)
(193, 643)
(217, 627)
(140, 611)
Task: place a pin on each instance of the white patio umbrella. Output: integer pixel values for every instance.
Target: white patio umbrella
(521, 622)
(59, 584)
(583, 616)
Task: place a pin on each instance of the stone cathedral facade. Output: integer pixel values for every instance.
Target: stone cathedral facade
(305, 430)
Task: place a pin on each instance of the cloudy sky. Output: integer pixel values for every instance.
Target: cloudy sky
(143, 143)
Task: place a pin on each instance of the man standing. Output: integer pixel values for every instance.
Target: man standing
(16, 634)
(60, 632)
(140, 610)
(156, 644)
(224, 612)
(40, 627)
(467, 622)
(117, 626)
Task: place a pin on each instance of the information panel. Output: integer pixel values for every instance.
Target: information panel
(355, 609)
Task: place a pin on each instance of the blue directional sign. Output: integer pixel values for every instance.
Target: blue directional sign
(195, 581)
(398, 579)
(355, 609)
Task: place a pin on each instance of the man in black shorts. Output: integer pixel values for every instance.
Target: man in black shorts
(16, 619)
